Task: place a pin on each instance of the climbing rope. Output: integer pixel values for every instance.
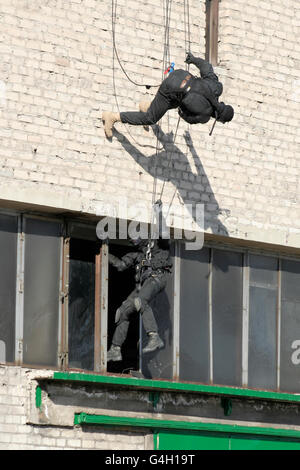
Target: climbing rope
(167, 5)
(166, 59)
(187, 43)
(115, 54)
(114, 17)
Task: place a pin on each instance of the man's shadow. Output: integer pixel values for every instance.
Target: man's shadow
(162, 166)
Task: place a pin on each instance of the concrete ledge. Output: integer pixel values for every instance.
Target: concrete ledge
(158, 385)
(55, 399)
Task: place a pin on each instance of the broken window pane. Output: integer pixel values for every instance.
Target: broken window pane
(81, 304)
(41, 291)
(227, 308)
(262, 354)
(8, 256)
(290, 327)
(194, 315)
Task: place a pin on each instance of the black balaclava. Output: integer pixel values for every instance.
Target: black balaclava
(139, 243)
(225, 112)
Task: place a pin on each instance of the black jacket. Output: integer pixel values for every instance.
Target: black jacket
(201, 101)
(159, 262)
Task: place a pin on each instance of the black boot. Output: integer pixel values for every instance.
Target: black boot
(154, 343)
(114, 353)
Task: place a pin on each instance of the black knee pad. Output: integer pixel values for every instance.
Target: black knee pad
(123, 312)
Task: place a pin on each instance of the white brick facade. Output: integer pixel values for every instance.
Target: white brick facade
(57, 78)
(17, 434)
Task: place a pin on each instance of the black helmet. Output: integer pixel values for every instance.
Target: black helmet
(225, 113)
(139, 242)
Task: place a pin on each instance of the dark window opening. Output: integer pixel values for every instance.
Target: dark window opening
(81, 314)
(120, 285)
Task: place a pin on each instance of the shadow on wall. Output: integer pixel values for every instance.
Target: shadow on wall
(154, 165)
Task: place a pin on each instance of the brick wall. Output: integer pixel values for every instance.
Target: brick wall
(17, 434)
(57, 77)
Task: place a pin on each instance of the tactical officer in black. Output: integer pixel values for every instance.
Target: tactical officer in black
(151, 278)
(195, 97)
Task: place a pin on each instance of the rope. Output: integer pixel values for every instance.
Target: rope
(166, 57)
(114, 16)
(115, 54)
(187, 42)
(165, 60)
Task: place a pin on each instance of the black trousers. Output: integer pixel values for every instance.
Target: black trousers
(150, 288)
(169, 96)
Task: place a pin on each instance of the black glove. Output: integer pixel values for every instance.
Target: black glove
(190, 59)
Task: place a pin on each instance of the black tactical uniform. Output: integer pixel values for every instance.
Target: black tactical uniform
(151, 278)
(196, 98)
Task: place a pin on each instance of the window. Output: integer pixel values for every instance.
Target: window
(263, 298)
(211, 316)
(227, 316)
(290, 326)
(81, 312)
(240, 319)
(41, 291)
(194, 315)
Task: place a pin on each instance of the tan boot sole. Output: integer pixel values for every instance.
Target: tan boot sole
(108, 124)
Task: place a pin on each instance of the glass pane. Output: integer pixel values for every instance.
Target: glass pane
(159, 364)
(227, 308)
(263, 270)
(263, 294)
(41, 292)
(290, 327)
(194, 315)
(8, 256)
(81, 304)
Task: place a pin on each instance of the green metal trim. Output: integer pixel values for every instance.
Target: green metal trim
(154, 398)
(160, 385)
(226, 404)
(38, 397)
(105, 420)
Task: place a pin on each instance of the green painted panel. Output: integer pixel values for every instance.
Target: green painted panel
(262, 443)
(187, 440)
(192, 441)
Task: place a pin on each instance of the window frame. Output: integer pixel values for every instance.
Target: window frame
(101, 296)
(246, 252)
